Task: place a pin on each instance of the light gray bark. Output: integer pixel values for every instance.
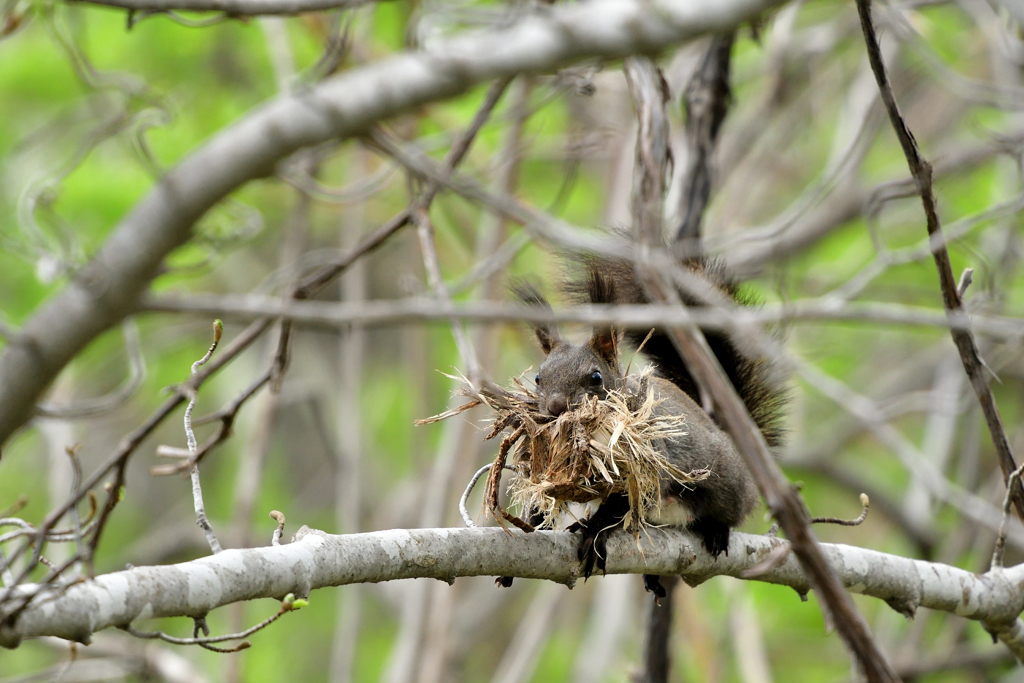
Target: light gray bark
(317, 560)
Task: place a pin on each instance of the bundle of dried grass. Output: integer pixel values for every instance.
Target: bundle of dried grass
(601, 447)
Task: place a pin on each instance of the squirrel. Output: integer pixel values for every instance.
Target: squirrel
(571, 372)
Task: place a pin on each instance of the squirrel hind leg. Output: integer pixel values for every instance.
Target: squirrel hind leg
(592, 552)
(713, 533)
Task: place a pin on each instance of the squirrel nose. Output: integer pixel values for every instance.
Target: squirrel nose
(556, 403)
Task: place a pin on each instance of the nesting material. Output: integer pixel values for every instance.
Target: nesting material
(601, 447)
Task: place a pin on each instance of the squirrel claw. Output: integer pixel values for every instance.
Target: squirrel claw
(652, 584)
(713, 533)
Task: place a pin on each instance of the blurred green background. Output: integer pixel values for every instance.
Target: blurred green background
(92, 111)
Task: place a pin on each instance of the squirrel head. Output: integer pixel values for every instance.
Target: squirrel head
(571, 372)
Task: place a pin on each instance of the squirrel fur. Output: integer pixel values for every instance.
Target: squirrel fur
(570, 372)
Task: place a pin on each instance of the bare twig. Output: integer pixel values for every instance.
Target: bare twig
(466, 517)
(1000, 547)
(289, 604)
(197, 490)
(864, 501)
(279, 518)
(966, 278)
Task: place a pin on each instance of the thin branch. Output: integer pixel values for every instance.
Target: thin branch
(279, 518)
(425, 232)
(964, 340)
(401, 311)
(706, 101)
(466, 517)
(454, 157)
(197, 490)
(857, 521)
(289, 604)
(226, 416)
(1000, 547)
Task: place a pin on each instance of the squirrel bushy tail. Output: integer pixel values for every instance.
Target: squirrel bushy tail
(610, 281)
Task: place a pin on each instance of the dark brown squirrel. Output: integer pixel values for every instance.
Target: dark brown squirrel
(570, 372)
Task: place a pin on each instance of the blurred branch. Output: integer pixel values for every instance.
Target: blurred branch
(706, 100)
(652, 169)
(317, 560)
(750, 250)
(398, 311)
(308, 286)
(232, 8)
(964, 340)
(425, 232)
(917, 464)
(656, 650)
(653, 152)
(90, 407)
(150, 660)
(106, 289)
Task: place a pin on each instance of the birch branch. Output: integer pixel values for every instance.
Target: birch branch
(318, 560)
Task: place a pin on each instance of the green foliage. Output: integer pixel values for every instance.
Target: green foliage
(177, 87)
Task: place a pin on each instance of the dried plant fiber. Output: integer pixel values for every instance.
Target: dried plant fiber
(600, 447)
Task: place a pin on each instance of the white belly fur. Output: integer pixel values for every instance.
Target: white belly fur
(672, 512)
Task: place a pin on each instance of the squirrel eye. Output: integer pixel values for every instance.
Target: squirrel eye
(536, 380)
(595, 377)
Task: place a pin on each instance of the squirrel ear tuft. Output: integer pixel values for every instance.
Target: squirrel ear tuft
(605, 343)
(600, 288)
(529, 295)
(605, 340)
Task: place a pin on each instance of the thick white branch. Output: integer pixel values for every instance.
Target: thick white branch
(105, 291)
(317, 560)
